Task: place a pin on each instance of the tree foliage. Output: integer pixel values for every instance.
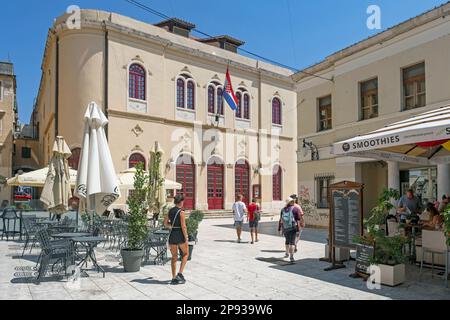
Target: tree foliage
(138, 208)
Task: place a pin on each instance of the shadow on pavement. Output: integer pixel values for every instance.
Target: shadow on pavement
(412, 288)
(151, 281)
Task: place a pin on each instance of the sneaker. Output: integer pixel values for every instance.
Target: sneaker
(292, 260)
(175, 281)
(239, 241)
(180, 278)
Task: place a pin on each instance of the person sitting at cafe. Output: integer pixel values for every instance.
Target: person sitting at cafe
(409, 203)
(435, 221)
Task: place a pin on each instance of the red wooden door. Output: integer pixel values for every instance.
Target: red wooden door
(186, 176)
(215, 186)
(242, 180)
(277, 183)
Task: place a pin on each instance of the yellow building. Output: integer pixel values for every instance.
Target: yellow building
(158, 83)
(8, 121)
(393, 75)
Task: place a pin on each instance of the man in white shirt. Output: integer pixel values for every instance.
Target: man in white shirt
(239, 211)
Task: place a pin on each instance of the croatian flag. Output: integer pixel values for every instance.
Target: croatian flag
(229, 95)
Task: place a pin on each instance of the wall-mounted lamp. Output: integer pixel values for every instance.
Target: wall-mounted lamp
(311, 147)
(170, 164)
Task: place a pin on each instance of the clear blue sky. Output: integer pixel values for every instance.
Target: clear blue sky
(297, 33)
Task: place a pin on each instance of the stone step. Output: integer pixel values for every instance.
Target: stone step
(217, 214)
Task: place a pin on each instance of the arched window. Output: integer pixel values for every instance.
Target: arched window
(277, 183)
(180, 93)
(190, 95)
(74, 159)
(246, 106)
(215, 98)
(220, 101)
(276, 111)
(136, 158)
(243, 108)
(137, 82)
(211, 98)
(239, 106)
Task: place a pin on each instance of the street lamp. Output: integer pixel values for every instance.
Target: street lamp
(311, 147)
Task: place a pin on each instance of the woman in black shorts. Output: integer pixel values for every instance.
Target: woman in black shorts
(178, 238)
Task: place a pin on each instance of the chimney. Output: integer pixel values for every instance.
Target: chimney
(224, 42)
(177, 26)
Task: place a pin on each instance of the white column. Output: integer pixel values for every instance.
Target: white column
(443, 180)
(393, 175)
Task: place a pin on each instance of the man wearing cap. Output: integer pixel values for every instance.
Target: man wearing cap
(290, 224)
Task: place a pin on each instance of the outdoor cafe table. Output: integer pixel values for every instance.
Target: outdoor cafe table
(47, 222)
(71, 235)
(162, 232)
(90, 243)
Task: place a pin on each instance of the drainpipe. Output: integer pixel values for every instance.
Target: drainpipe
(260, 111)
(106, 75)
(57, 89)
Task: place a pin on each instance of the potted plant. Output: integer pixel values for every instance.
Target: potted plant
(137, 222)
(389, 257)
(192, 224)
(388, 253)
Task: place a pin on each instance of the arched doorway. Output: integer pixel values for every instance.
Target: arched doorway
(242, 179)
(185, 175)
(277, 183)
(215, 184)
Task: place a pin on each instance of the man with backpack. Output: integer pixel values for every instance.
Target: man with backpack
(289, 224)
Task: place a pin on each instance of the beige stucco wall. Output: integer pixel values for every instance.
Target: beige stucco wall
(429, 43)
(7, 120)
(82, 81)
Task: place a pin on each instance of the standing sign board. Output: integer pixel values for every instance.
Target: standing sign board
(346, 216)
(364, 253)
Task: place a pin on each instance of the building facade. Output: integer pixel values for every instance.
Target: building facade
(387, 78)
(159, 83)
(8, 123)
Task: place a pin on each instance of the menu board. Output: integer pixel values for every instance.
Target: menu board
(363, 255)
(346, 216)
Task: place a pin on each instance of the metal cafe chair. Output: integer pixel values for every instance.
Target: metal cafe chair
(9, 216)
(435, 242)
(50, 251)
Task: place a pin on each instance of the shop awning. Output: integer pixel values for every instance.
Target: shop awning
(421, 139)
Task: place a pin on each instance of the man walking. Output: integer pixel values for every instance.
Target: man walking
(239, 211)
(253, 219)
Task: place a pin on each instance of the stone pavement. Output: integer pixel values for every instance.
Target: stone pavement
(220, 269)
